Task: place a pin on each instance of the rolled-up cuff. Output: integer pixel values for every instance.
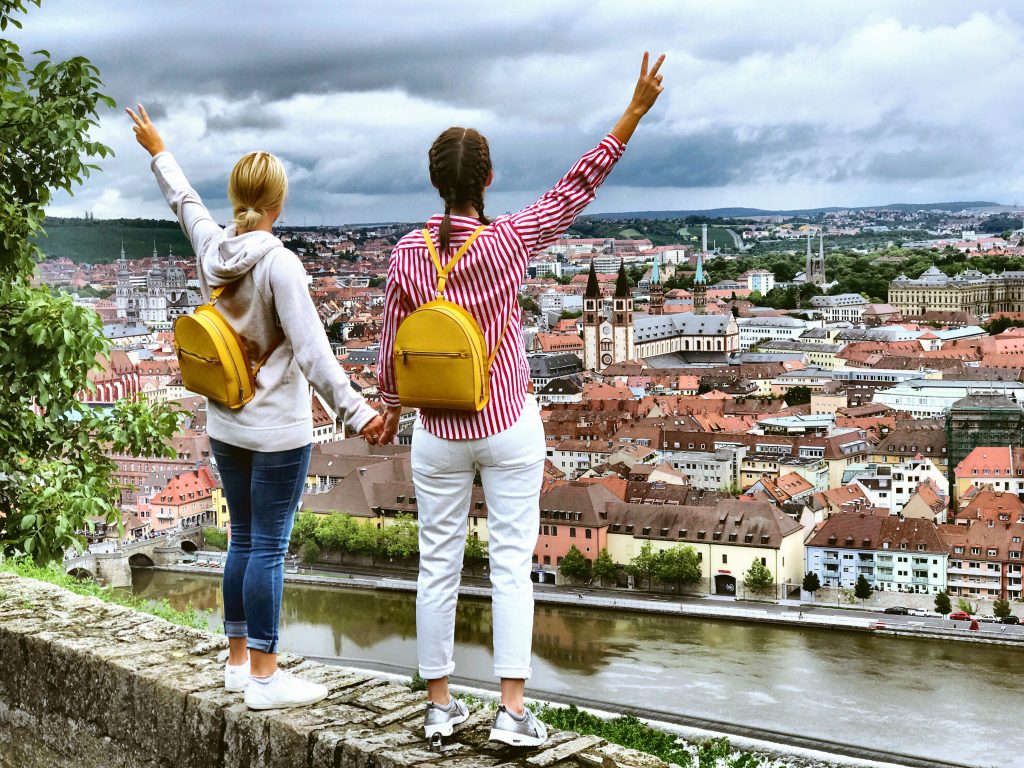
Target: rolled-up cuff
(264, 646)
(236, 629)
(436, 673)
(512, 673)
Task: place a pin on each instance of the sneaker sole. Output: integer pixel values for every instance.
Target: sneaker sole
(516, 739)
(235, 689)
(445, 729)
(289, 705)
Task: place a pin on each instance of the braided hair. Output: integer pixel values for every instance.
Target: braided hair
(460, 162)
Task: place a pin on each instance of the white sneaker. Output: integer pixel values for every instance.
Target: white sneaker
(236, 678)
(283, 690)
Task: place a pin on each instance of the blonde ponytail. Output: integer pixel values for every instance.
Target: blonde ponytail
(258, 184)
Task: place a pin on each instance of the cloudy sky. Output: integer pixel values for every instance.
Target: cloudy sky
(771, 105)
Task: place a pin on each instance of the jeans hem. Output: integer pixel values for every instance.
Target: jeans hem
(264, 646)
(236, 629)
(436, 673)
(513, 673)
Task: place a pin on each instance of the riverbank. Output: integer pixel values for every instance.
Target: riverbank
(796, 616)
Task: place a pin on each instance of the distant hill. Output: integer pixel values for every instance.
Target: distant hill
(742, 213)
(99, 241)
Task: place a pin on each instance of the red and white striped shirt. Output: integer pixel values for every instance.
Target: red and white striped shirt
(486, 283)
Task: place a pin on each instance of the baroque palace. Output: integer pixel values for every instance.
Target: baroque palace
(970, 291)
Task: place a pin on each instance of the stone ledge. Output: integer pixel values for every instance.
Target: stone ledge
(85, 683)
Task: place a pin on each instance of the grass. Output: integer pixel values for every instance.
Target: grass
(25, 568)
(629, 731)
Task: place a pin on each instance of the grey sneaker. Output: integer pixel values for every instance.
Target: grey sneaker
(525, 731)
(442, 721)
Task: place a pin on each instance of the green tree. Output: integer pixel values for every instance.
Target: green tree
(367, 541)
(335, 532)
(678, 566)
(604, 567)
(309, 552)
(304, 529)
(862, 589)
(574, 565)
(962, 604)
(56, 479)
(1001, 608)
(641, 567)
(811, 582)
(475, 553)
(758, 578)
(401, 538)
(942, 603)
(797, 395)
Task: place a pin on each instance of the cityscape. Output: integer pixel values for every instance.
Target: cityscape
(775, 339)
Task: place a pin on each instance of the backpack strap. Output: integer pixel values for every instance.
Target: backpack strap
(442, 271)
(508, 322)
(270, 350)
(214, 295)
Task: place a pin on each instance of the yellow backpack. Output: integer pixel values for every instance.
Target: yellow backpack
(213, 359)
(440, 353)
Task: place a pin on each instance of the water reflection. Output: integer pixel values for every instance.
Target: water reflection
(840, 686)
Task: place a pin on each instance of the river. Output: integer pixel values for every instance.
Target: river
(936, 699)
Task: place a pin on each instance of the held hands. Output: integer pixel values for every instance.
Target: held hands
(373, 429)
(648, 86)
(146, 132)
(392, 414)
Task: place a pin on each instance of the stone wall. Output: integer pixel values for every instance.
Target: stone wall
(85, 684)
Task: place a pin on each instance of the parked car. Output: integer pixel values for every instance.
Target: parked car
(960, 616)
(899, 610)
(1010, 620)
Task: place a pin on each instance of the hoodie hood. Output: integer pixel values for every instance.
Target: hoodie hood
(235, 255)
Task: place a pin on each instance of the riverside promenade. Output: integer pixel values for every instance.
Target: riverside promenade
(786, 613)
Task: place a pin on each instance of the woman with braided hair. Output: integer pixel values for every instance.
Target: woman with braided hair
(504, 441)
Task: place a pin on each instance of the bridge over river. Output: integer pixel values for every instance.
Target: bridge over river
(114, 567)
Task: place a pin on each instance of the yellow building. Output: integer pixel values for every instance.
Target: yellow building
(220, 508)
(728, 538)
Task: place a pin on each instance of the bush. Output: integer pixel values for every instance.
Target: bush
(574, 565)
(309, 552)
(758, 579)
(216, 538)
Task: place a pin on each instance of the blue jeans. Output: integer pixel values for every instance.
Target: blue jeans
(262, 491)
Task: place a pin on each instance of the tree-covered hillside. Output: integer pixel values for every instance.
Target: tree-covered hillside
(99, 241)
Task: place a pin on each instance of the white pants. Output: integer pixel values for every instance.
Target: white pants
(511, 465)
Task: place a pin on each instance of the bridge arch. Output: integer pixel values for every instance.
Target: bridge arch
(189, 546)
(81, 574)
(140, 560)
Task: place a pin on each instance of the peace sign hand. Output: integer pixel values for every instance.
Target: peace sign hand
(146, 132)
(648, 86)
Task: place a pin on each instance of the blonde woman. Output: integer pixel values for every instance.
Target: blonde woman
(262, 450)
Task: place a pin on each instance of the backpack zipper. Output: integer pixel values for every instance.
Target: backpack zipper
(416, 353)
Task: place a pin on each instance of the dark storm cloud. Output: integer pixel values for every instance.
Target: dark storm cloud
(858, 98)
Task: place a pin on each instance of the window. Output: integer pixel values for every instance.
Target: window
(701, 534)
(717, 535)
(764, 561)
(725, 559)
(587, 533)
(572, 533)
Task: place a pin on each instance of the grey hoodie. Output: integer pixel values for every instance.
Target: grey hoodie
(267, 290)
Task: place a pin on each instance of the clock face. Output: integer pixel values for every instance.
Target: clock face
(606, 359)
(606, 331)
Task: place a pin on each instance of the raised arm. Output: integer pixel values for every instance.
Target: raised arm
(195, 220)
(541, 224)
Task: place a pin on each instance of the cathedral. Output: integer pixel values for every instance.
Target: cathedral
(157, 298)
(619, 335)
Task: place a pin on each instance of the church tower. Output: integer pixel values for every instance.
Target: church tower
(815, 269)
(657, 305)
(622, 319)
(591, 321)
(123, 292)
(700, 287)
